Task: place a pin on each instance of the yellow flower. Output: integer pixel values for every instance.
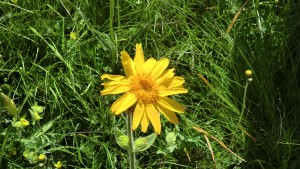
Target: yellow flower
(73, 35)
(248, 73)
(58, 164)
(24, 122)
(42, 157)
(36, 116)
(147, 85)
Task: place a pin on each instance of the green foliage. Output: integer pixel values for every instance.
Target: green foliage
(42, 64)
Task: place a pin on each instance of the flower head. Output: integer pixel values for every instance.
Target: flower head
(58, 164)
(36, 116)
(147, 85)
(42, 157)
(248, 74)
(73, 35)
(21, 123)
(24, 122)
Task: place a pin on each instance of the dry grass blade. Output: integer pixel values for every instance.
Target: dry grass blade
(187, 154)
(211, 150)
(235, 17)
(249, 135)
(220, 142)
(205, 81)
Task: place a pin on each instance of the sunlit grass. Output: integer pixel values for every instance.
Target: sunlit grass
(42, 62)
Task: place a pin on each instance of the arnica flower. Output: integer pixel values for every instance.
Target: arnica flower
(147, 85)
(248, 74)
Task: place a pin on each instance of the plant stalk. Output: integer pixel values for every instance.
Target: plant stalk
(244, 102)
(131, 154)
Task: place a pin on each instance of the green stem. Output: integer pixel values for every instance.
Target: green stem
(131, 153)
(111, 18)
(244, 102)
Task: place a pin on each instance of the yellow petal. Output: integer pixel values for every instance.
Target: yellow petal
(144, 122)
(112, 77)
(128, 64)
(116, 87)
(123, 103)
(137, 115)
(166, 78)
(170, 115)
(159, 67)
(148, 65)
(123, 82)
(154, 117)
(139, 57)
(170, 104)
(170, 91)
(115, 90)
(176, 82)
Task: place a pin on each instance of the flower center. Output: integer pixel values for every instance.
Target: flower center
(144, 88)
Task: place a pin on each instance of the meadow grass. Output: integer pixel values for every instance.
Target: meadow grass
(41, 63)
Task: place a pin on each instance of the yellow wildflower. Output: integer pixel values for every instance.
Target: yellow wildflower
(24, 122)
(147, 85)
(73, 35)
(36, 116)
(21, 123)
(248, 73)
(58, 164)
(42, 157)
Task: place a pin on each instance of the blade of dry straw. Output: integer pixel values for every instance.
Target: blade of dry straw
(249, 135)
(220, 142)
(211, 151)
(235, 17)
(205, 81)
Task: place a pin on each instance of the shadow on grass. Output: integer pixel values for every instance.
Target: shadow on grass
(271, 50)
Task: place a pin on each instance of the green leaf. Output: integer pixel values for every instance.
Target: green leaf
(143, 143)
(37, 109)
(121, 139)
(171, 138)
(118, 132)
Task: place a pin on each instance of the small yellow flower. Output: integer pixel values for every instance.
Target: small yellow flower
(248, 73)
(42, 157)
(147, 85)
(21, 123)
(24, 122)
(58, 164)
(36, 116)
(73, 35)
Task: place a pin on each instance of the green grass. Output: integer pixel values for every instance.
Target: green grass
(39, 62)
